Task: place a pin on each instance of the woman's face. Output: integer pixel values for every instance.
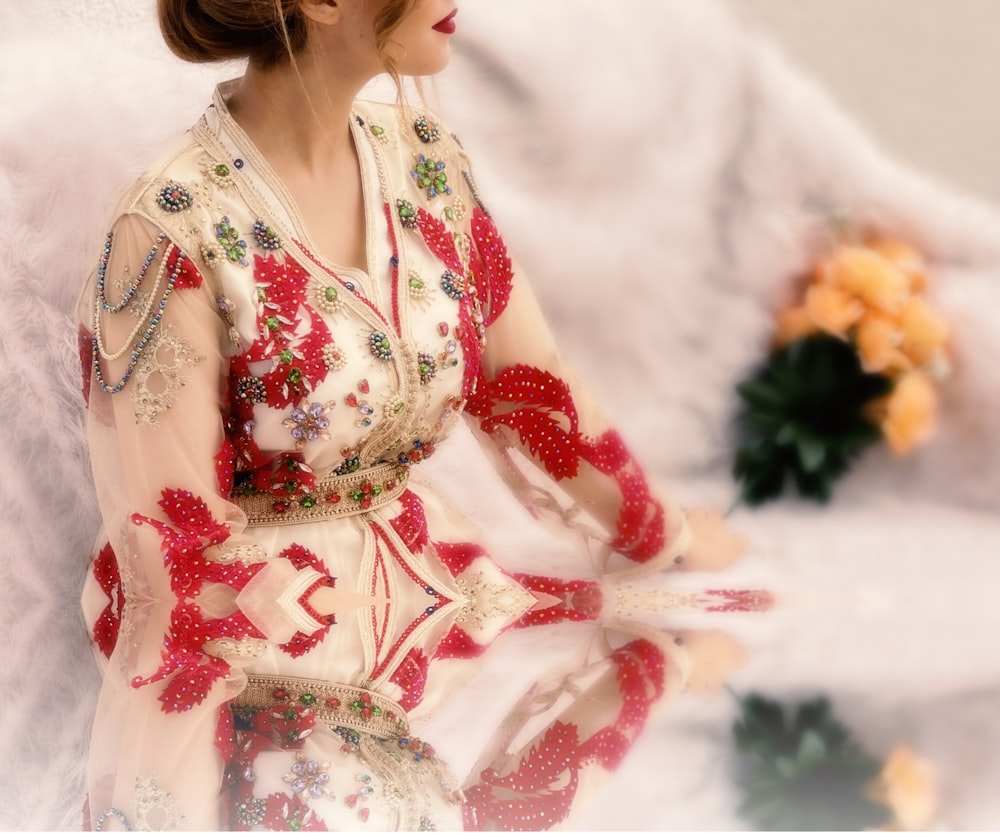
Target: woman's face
(421, 43)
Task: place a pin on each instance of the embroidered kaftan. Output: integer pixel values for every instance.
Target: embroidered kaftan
(254, 414)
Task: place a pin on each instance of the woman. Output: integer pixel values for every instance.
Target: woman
(294, 306)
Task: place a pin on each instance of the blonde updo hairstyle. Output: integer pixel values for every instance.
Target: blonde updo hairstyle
(267, 32)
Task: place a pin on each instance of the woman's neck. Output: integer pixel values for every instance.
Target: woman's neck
(298, 120)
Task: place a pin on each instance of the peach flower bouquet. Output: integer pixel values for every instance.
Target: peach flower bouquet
(854, 360)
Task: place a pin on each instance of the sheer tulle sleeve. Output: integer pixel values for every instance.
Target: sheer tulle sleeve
(563, 459)
(180, 597)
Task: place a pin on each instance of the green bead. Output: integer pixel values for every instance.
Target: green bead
(272, 324)
(294, 375)
(308, 502)
(285, 356)
(330, 294)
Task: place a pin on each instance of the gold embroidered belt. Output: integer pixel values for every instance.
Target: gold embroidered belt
(335, 496)
(334, 704)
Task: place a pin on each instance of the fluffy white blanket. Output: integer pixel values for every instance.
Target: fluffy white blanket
(664, 154)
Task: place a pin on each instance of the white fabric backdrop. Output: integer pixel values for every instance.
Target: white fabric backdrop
(676, 160)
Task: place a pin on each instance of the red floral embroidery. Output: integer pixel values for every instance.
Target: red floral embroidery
(292, 334)
(491, 266)
(411, 523)
(301, 643)
(543, 415)
(411, 676)
(225, 733)
(225, 468)
(580, 600)
(457, 557)
(540, 791)
(457, 644)
(188, 277)
(191, 528)
(439, 240)
(106, 627)
(539, 408)
(85, 348)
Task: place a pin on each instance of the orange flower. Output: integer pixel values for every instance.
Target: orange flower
(794, 323)
(924, 332)
(910, 412)
(878, 340)
(878, 282)
(832, 309)
(905, 257)
(906, 786)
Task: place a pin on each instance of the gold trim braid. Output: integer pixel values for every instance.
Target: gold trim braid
(334, 704)
(334, 497)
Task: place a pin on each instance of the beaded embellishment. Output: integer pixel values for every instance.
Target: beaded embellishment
(430, 177)
(380, 347)
(232, 245)
(266, 237)
(219, 174)
(426, 367)
(138, 341)
(427, 131)
(309, 422)
(174, 197)
(454, 286)
(407, 214)
(328, 299)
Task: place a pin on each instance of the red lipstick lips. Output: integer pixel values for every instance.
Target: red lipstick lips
(446, 25)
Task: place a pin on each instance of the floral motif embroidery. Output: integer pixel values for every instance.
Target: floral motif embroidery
(266, 237)
(219, 174)
(308, 779)
(378, 132)
(426, 130)
(251, 389)
(166, 357)
(174, 197)
(211, 255)
(333, 357)
(154, 808)
(328, 299)
(308, 423)
(426, 367)
(234, 247)
(407, 214)
(454, 286)
(380, 347)
(418, 288)
(430, 177)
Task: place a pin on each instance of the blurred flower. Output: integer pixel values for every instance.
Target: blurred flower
(924, 332)
(876, 281)
(878, 340)
(904, 257)
(906, 786)
(833, 309)
(910, 412)
(794, 323)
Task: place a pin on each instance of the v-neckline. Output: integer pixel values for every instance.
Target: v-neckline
(246, 145)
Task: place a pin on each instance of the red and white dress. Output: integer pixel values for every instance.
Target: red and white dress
(254, 414)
